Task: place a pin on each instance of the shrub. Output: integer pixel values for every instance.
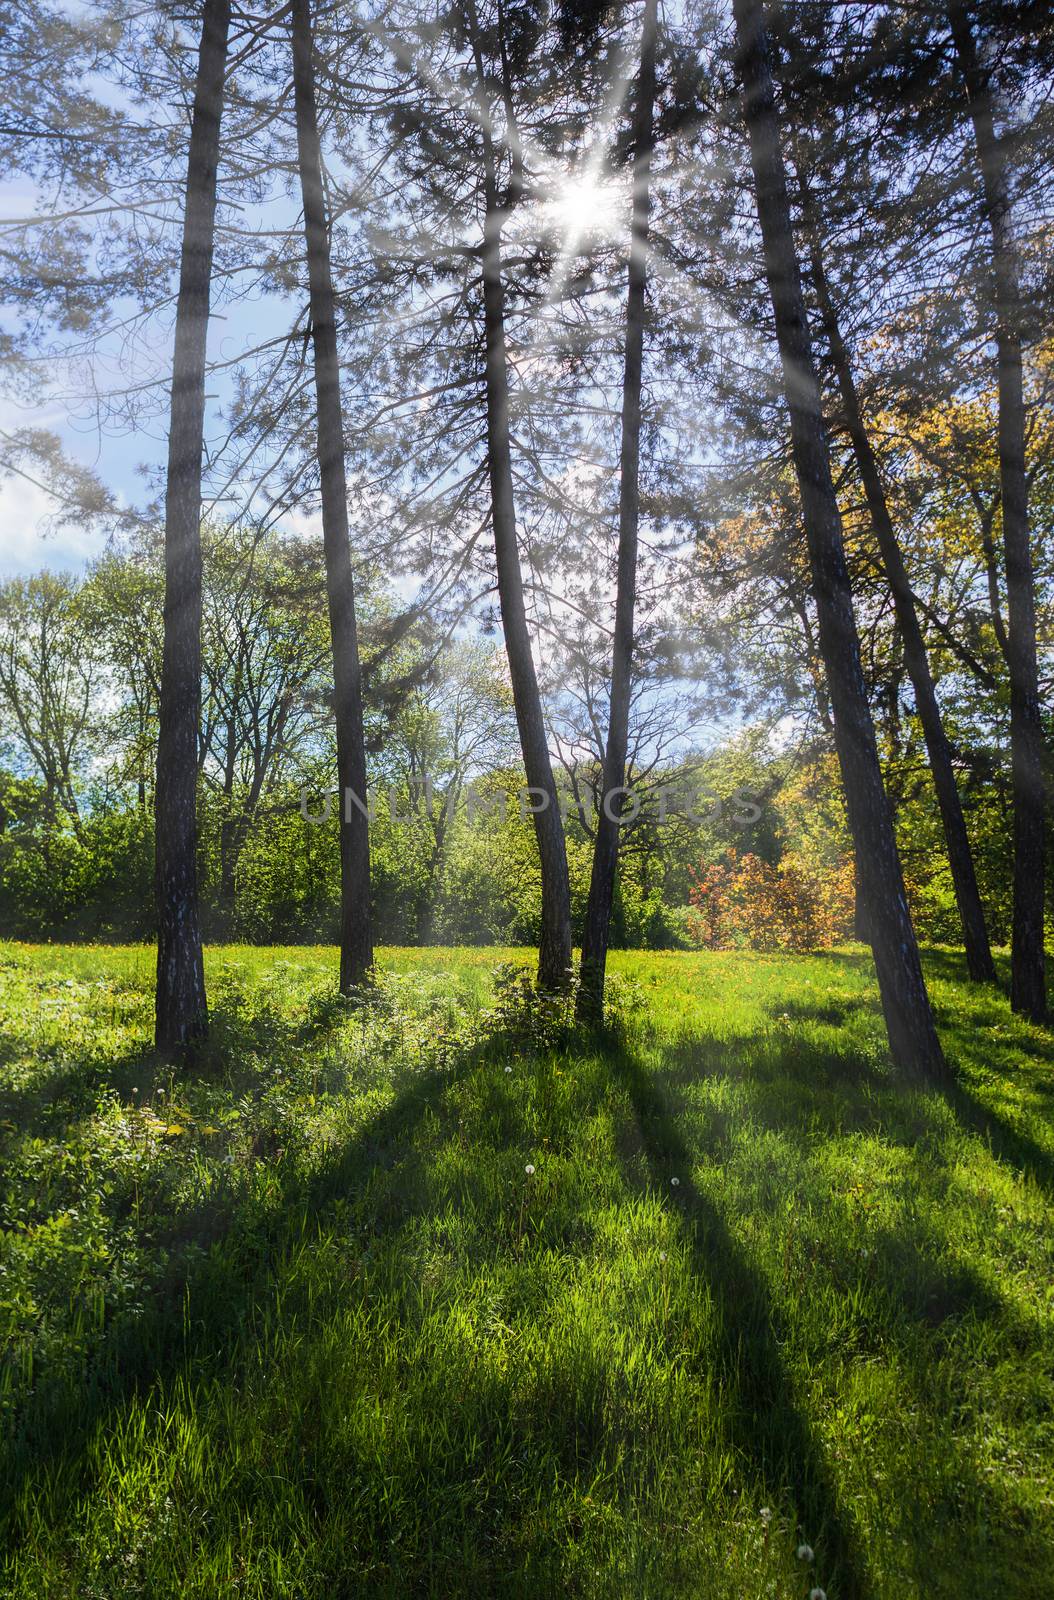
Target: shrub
(745, 901)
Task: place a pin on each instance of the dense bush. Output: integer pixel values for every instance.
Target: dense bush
(92, 879)
(743, 900)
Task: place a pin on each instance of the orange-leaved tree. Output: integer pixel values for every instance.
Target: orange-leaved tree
(746, 901)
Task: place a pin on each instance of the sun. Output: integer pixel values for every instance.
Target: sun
(583, 205)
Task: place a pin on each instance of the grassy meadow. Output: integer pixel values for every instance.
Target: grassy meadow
(434, 1296)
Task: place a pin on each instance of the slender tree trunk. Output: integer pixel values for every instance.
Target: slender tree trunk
(1028, 980)
(960, 857)
(181, 1012)
(905, 1003)
(356, 937)
(991, 569)
(606, 842)
(228, 863)
(227, 823)
(554, 952)
(140, 764)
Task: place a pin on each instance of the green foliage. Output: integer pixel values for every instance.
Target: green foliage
(483, 886)
(78, 731)
(97, 879)
(427, 1294)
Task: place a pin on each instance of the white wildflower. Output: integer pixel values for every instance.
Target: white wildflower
(529, 1170)
(805, 1552)
(674, 1182)
(817, 1594)
(766, 1515)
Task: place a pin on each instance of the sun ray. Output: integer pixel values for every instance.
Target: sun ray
(587, 180)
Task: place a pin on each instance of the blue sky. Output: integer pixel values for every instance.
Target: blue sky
(127, 460)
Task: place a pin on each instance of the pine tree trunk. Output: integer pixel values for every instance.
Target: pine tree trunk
(960, 857)
(905, 1003)
(181, 1010)
(232, 839)
(1028, 979)
(356, 937)
(597, 929)
(227, 864)
(554, 951)
(227, 818)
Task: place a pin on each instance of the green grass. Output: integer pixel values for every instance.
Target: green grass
(299, 1323)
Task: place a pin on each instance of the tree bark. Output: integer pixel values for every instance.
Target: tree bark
(356, 936)
(979, 961)
(181, 1009)
(554, 950)
(597, 929)
(905, 1003)
(1028, 992)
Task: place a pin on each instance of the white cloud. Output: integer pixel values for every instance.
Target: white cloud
(24, 545)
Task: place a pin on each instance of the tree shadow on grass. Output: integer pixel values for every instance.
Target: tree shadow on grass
(72, 1090)
(53, 1430)
(968, 1050)
(775, 1441)
(908, 1300)
(792, 1085)
(801, 1092)
(941, 1325)
(1006, 1142)
(468, 1504)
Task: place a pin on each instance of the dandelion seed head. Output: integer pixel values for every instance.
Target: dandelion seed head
(817, 1594)
(674, 1182)
(805, 1552)
(529, 1170)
